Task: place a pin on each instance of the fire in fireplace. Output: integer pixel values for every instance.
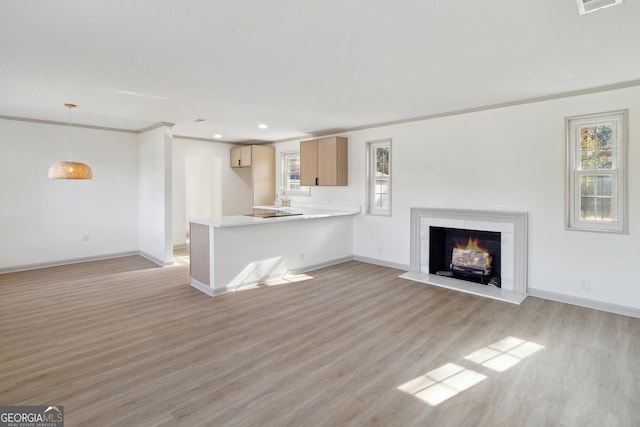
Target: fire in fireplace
(471, 255)
(471, 258)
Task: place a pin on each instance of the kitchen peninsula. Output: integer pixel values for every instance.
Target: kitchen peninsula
(234, 252)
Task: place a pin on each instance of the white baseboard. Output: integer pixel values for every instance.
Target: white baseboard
(202, 287)
(321, 265)
(69, 261)
(155, 260)
(37, 265)
(382, 263)
(583, 302)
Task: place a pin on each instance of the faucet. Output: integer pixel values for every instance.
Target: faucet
(281, 197)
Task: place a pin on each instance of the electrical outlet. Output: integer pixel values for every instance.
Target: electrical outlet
(301, 256)
(380, 250)
(585, 284)
(85, 237)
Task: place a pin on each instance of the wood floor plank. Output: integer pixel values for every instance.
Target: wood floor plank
(123, 342)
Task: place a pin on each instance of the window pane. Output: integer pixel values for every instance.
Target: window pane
(602, 184)
(596, 147)
(586, 185)
(596, 185)
(382, 160)
(382, 186)
(377, 201)
(379, 177)
(596, 209)
(291, 172)
(587, 209)
(604, 209)
(604, 135)
(384, 200)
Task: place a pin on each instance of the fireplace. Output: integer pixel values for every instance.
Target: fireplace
(472, 255)
(473, 251)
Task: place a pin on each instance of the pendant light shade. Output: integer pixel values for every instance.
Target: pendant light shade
(69, 169)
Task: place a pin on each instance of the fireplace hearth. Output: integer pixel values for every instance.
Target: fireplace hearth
(473, 251)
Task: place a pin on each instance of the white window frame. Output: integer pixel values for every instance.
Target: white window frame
(371, 178)
(617, 173)
(284, 175)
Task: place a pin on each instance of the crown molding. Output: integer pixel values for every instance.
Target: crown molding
(156, 126)
(75, 125)
(561, 95)
(197, 138)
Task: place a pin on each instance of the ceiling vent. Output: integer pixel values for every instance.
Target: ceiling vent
(588, 6)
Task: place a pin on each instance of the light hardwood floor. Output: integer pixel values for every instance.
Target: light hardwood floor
(124, 343)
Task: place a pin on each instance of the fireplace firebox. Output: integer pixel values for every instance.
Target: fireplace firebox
(464, 254)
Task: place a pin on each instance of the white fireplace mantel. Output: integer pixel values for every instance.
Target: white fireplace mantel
(513, 230)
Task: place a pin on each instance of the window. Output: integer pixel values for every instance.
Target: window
(379, 177)
(291, 174)
(596, 158)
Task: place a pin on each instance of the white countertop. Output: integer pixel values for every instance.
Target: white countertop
(307, 212)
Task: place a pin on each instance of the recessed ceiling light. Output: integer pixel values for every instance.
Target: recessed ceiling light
(199, 120)
(217, 136)
(262, 126)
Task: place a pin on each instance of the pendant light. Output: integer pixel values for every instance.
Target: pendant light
(69, 169)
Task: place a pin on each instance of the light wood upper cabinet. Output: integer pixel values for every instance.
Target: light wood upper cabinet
(324, 162)
(262, 162)
(263, 175)
(308, 162)
(241, 156)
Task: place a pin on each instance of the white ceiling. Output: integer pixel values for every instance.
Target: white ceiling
(301, 66)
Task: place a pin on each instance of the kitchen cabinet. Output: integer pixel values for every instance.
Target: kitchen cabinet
(263, 175)
(324, 162)
(241, 156)
(261, 160)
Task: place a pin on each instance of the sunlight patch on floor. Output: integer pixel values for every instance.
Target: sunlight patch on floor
(181, 260)
(504, 354)
(447, 381)
(289, 278)
(442, 383)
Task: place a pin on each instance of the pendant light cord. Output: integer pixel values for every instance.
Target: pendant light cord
(70, 107)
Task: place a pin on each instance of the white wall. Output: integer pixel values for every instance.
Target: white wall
(235, 183)
(203, 187)
(155, 189)
(46, 221)
(503, 159)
